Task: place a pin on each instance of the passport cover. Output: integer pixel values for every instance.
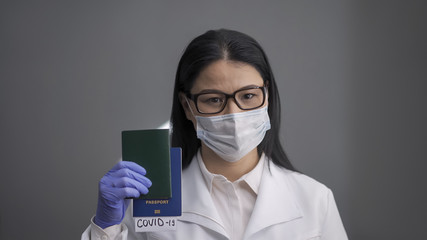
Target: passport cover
(150, 149)
(164, 207)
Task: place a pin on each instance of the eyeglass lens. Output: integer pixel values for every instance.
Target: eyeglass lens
(215, 102)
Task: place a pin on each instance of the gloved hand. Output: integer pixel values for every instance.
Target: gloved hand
(124, 180)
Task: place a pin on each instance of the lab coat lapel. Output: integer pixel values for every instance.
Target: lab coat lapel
(197, 204)
(275, 202)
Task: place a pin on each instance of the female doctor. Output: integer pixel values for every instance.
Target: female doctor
(237, 180)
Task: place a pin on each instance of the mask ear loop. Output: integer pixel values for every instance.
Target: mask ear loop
(189, 106)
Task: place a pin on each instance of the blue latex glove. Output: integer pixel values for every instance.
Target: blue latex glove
(124, 180)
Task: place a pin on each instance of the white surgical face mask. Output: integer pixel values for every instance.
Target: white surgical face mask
(232, 136)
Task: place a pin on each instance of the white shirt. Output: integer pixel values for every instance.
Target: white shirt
(234, 201)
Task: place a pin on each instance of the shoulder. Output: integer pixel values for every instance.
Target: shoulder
(295, 178)
(307, 191)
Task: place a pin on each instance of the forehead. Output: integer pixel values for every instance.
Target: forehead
(226, 76)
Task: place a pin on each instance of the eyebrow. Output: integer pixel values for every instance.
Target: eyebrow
(218, 91)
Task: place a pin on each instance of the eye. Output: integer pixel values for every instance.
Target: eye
(211, 99)
(214, 100)
(248, 96)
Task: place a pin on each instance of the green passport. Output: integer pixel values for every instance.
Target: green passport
(151, 150)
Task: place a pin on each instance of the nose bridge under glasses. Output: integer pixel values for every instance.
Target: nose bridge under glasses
(232, 107)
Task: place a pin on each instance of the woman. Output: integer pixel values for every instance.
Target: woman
(237, 181)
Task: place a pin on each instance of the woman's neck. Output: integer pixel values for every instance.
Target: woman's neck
(231, 170)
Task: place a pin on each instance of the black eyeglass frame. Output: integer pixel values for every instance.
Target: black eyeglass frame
(194, 97)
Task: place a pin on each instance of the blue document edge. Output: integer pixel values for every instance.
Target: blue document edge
(164, 207)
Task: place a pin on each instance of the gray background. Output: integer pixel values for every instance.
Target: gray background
(74, 74)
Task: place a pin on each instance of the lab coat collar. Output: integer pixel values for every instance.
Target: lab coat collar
(275, 202)
(197, 204)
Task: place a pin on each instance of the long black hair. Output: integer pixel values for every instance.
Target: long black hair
(205, 49)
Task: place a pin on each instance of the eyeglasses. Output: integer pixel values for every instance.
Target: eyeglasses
(213, 102)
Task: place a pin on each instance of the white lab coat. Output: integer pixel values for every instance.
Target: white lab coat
(289, 206)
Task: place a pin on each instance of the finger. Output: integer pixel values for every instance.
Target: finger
(129, 182)
(124, 172)
(144, 180)
(125, 192)
(129, 165)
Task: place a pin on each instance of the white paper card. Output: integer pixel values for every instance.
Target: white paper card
(155, 224)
